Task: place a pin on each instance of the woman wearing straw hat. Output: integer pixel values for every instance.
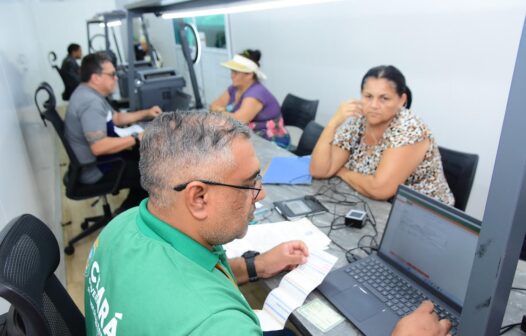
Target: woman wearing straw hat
(248, 101)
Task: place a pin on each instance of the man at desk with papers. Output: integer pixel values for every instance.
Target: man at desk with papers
(160, 268)
(89, 128)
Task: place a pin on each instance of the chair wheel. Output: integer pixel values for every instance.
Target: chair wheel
(84, 225)
(69, 250)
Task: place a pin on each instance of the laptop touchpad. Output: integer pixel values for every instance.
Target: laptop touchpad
(358, 302)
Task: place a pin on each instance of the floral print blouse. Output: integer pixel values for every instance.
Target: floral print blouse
(404, 129)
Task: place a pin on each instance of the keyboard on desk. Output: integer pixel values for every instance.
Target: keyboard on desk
(401, 297)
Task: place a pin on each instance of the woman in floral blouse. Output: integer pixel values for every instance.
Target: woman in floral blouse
(376, 143)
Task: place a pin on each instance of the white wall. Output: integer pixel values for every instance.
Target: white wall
(59, 23)
(29, 173)
(457, 57)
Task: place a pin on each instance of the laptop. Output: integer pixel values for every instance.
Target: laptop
(426, 252)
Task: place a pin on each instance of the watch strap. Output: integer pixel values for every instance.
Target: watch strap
(249, 257)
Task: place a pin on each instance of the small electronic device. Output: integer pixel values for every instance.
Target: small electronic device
(355, 218)
(299, 207)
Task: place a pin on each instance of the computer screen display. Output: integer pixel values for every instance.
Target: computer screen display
(433, 242)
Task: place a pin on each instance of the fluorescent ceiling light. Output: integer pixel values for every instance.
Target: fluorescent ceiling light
(111, 23)
(240, 8)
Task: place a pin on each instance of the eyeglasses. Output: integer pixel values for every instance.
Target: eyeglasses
(255, 190)
(111, 74)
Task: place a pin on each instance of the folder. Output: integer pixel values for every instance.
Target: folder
(288, 170)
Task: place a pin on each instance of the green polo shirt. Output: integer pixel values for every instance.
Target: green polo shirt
(144, 277)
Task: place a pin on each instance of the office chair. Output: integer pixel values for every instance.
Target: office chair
(460, 169)
(52, 58)
(40, 305)
(76, 190)
(297, 111)
(308, 139)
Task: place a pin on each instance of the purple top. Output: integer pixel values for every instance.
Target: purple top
(268, 123)
(271, 108)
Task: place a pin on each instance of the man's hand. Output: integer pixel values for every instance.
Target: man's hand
(285, 256)
(154, 111)
(422, 322)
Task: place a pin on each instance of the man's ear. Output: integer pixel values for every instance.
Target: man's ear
(197, 195)
(93, 78)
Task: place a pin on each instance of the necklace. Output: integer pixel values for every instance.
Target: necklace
(369, 139)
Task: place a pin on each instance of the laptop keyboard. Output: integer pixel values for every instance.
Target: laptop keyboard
(393, 290)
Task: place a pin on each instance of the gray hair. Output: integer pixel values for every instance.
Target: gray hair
(186, 145)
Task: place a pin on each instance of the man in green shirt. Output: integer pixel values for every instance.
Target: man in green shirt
(160, 269)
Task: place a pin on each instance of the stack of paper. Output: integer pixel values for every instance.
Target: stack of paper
(293, 290)
(127, 131)
(263, 237)
(288, 170)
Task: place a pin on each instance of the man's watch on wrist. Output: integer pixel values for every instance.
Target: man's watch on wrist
(135, 137)
(249, 257)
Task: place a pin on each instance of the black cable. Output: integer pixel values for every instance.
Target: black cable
(518, 288)
(506, 328)
(329, 194)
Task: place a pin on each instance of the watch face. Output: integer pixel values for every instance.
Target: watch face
(250, 254)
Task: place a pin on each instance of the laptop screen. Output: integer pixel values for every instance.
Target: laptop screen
(433, 242)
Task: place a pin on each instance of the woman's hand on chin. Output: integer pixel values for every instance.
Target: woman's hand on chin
(346, 110)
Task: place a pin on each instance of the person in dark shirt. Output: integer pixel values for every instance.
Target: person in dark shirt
(70, 70)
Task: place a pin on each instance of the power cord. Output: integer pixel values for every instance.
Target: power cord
(506, 328)
(330, 195)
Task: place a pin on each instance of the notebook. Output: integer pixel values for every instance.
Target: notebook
(426, 252)
(288, 170)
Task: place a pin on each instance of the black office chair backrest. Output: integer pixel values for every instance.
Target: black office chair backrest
(48, 111)
(308, 138)
(29, 255)
(297, 111)
(460, 169)
(52, 58)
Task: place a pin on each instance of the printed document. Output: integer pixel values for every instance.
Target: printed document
(127, 131)
(263, 237)
(294, 289)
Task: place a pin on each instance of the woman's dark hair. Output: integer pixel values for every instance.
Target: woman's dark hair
(253, 55)
(391, 74)
(92, 64)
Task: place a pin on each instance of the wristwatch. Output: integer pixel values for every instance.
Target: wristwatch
(135, 137)
(251, 268)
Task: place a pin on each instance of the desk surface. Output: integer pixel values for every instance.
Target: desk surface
(349, 237)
